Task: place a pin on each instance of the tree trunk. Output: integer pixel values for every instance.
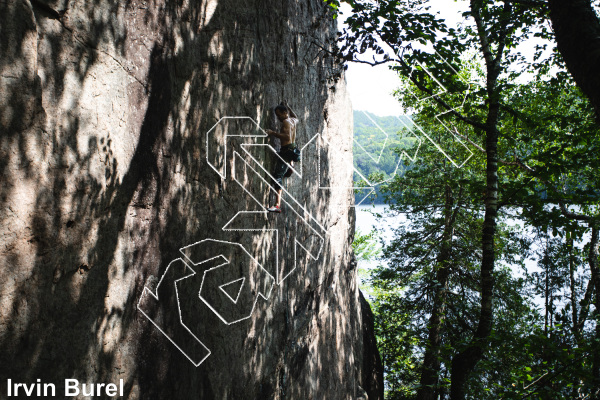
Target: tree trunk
(593, 261)
(464, 362)
(577, 32)
(573, 287)
(430, 370)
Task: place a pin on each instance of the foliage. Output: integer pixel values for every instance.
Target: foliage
(398, 344)
(408, 283)
(552, 130)
(451, 295)
(367, 249)
(365, 246)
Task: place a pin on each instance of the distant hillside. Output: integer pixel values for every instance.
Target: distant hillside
(375, 141)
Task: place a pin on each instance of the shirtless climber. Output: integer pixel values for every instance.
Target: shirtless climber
(288, 151)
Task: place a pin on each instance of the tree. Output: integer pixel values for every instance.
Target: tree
(497, 29)
(430, 290)
(556, 363)
(436, 199)
(556, 135)
(577, 32)
(559, 171)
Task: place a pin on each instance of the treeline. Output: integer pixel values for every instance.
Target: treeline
(378, 145)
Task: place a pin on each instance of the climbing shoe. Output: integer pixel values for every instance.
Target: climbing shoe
(275, 209)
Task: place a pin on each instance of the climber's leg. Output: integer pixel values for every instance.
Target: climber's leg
(277, 207)
(279, 173)
(289, 171)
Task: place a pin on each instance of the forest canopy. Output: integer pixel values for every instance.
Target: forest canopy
(459, 313)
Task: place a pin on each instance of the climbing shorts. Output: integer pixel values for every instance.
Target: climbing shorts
(289, 153)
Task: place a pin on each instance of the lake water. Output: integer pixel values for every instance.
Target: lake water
(366, 220)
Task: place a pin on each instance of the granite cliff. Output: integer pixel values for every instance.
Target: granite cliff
(134, 245)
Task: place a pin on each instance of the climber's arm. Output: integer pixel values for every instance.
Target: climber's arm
(292, 114)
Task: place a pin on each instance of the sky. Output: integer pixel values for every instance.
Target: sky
(370, 87)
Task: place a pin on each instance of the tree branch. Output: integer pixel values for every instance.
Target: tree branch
(502, 40)
(585, 305)
(372, 63)
(528, 3)
(483, 40)
(517, 162)
(569, 214)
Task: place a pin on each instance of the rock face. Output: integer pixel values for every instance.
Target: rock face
(134, 244)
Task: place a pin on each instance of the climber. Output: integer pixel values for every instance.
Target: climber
(288, 153)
